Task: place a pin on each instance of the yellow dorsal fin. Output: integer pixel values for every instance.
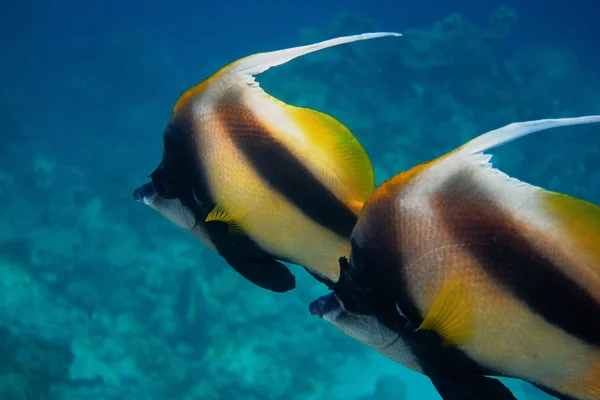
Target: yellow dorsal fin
(580, 220)
(339, 149)
(451, 315)
(233, 220)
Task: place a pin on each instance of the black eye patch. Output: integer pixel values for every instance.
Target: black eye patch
(167, 181)
(353, 296)
(163, 189)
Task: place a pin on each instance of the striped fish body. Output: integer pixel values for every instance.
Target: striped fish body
(273, 186)
(287, 183)
(506, 272)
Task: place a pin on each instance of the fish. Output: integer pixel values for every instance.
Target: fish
(414, 351)
(259, 181)
(189, 316)
(185, 306)
(504, 272)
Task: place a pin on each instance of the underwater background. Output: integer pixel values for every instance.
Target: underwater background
(101, 298)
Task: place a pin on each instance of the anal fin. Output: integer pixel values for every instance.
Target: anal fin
(553, 393)
(266, 273)
(472, 388)
(587, 386)
(249, 260)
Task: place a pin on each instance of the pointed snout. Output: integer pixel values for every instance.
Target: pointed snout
(324, 305)
(142, 192)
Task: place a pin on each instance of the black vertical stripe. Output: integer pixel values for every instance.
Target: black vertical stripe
(184, 170)
(282, 170)
(377, 266)
(182, 165)
(374, 283)
(507, 256)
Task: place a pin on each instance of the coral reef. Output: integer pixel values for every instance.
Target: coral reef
(387, 388)
(32, 368)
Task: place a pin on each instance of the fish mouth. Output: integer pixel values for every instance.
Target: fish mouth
(324, 305)
(141, 193)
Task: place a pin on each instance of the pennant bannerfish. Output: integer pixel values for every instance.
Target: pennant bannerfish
(258, 180)
(504, 272)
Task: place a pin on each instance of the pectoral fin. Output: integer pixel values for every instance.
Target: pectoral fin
(451, 316)
(266, 273)
(232, 219)
(472, 388)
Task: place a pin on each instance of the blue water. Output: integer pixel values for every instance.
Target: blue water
(90, 279)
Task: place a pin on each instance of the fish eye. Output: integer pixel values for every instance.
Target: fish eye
(162, 189)
(350, 304)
